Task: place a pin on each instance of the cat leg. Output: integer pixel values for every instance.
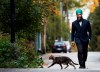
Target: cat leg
(61, 66)
(72, 65)
(51, 65)
(66, 66)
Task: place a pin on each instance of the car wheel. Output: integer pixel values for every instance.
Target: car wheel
(69, 50)
(65, 51)
(53, 51)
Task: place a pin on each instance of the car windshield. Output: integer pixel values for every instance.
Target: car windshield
(59, 43)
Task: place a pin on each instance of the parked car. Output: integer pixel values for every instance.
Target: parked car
(68, 46)
(59, 46)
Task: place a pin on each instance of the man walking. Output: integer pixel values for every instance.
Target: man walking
(81, 34)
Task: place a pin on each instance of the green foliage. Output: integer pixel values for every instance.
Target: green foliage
(6, 53)
(20, 55)
(4, 15)
(55, 30)
(65, 30)
(70, 4)
(28, 16)
(54, 26)
(95, 20)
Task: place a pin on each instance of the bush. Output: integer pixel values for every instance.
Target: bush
(18, 56)
(7, 53)
(95, 20)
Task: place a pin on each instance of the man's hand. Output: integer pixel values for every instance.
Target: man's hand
(72, 43)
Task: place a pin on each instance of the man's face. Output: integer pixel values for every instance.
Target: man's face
(79, 16)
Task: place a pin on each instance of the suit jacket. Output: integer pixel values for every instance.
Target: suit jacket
(82, 33)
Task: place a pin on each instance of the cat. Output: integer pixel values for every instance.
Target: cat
(62, 60)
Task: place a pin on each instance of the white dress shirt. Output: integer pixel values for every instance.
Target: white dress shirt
(80, 23)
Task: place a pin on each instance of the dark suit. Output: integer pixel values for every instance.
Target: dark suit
(81, 35)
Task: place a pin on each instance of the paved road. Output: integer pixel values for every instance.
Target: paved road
(46, 70)
(93, 61)
(93, 64)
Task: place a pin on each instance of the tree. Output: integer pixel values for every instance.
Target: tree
(56, 30)
(28, 16)
(95, 20)
(4, 15)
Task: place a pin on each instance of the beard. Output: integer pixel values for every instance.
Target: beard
(79, 18)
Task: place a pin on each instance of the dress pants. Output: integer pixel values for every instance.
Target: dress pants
(82, 48)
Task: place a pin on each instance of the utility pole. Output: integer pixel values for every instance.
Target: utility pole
(12, 12)
(61, 12)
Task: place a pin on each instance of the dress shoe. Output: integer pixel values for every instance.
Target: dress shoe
(81, 67)
(84, 65)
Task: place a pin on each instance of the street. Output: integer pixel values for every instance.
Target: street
(93, 64)
(93, 60)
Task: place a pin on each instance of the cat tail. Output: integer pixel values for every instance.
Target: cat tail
(75, 63)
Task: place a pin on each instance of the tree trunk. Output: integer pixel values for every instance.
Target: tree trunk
(44, 36)
(67, 12)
